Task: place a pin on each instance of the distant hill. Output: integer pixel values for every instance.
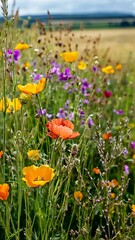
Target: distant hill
(78, 16)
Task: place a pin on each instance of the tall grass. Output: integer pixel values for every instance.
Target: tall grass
(92, 194)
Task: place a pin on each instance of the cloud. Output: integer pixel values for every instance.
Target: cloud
(70, 6)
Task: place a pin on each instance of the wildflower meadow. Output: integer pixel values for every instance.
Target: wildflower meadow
(67, 136)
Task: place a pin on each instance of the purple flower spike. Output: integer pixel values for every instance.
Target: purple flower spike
(132, 144)
(126, 169)
(90, 122)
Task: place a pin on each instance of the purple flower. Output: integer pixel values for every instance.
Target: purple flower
(37, 77)
(12, 55)
(66, 75)
(85, 86)
(118, 112)
(132, 144)
(41, 112)
(126, 169)
(90, 122)
(49, 116)
(82, 113)
(67, 104)
(17, 55)
(94, 68)
(70, 116)
(62, 113)
(86, 101)
(125, 151)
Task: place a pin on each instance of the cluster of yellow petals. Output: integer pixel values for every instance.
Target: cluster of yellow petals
(4, 191)
(108, 69)
(10, 106)
(78, 196)
(26, 65)
(69, 56)
(82, 65)
(33, 154)
(21, 46)
(32, 88)
(37, 176)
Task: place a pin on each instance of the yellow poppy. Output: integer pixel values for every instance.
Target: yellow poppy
(33, 154)
(11, 106)
(108, 69)
(33, 88)
(24, 98)
(69, 56)
(78, 196)
(14, 106)
(26, 65)
(21, 46)
(133, 208)
(37, 176)
(82, 65)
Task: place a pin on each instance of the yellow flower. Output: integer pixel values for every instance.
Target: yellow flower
(14, 106)
(11, 106)
(26, 65)
(33, 88)
(108, 69)
(24, 98)
(112, 195)
(37, 176)
(78, 196)
(118, 66)
(33, 154)
(133, 208)
(3, 103)
(82, 65)
(69, 56)
(21, 46)
(0, 53)
(133, 156)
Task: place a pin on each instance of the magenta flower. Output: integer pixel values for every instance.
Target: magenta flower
(107, 94)
(132, 144)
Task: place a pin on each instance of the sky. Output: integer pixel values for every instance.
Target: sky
(71, 6)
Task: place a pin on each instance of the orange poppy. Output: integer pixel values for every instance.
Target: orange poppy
(69, 56)
(1, 154)
(78, 196)
(106, 136)
(113, 183)
(61, 128)
(37, 176)
(33, 88)
(4, 191)
(96, 170)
